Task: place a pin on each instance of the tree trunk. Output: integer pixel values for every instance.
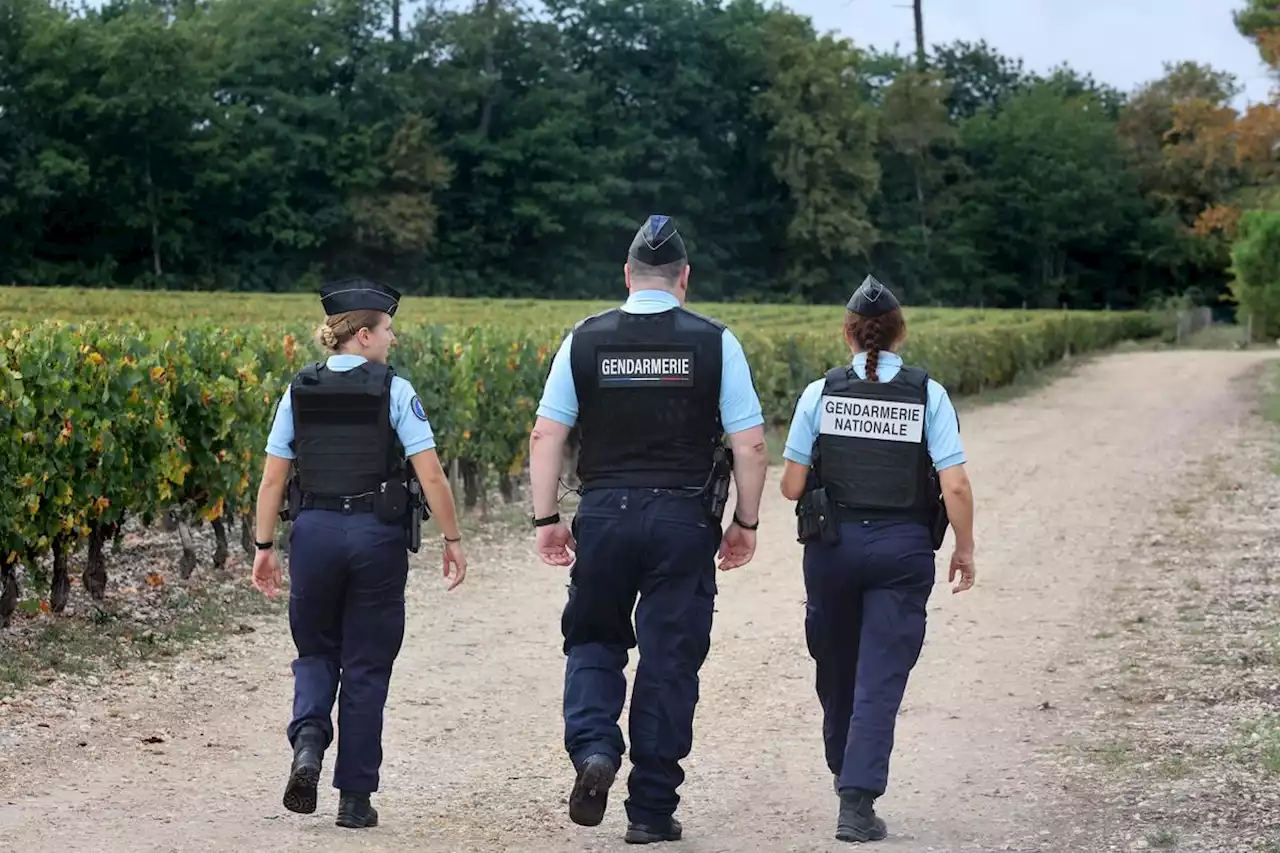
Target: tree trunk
(95, 566)
(220, 550)
(919, 15)
(247, 536)
(8, 589)
(490, 72)
(471, 485)
(152, 204)
(924, 224)
(60, 588)
(188, 562)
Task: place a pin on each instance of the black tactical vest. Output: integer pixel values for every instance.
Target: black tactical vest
(343, 437)
(648, 390)
(872, 451)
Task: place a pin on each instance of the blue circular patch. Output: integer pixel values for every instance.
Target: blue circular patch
(416, 405)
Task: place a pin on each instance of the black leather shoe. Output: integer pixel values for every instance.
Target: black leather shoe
(304, 775)
(590, 794)
(857, 820)
(649, 833)
(355, 811)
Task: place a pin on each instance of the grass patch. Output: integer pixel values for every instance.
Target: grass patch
(1260, 742)
(111, 637)
(1113, 754)
(1175, 767)
(1271, 399)
(1218, 336)
(1162, 838)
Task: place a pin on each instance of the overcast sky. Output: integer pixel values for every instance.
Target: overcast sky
(1121, 42)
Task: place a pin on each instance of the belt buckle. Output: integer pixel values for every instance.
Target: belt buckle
(346, 506)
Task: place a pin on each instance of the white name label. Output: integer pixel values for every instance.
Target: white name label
(858, 418)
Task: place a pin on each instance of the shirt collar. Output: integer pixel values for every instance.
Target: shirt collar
(886, 357)
(652, 298)
(344, 361)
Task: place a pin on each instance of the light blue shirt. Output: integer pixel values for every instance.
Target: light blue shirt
(942, 426)
(407, 415)
(739, 404)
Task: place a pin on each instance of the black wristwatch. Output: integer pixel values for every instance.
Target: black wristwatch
(554, 518)
(264, 546)
(743, 524)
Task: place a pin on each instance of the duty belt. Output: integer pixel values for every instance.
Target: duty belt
(339, 503)
(845, 513)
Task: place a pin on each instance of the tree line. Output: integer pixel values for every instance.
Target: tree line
(490, 151)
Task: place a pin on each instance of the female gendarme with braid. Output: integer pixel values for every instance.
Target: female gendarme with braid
(873, 457)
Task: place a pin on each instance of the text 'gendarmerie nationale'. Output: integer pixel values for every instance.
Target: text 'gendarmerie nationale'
(860, 418)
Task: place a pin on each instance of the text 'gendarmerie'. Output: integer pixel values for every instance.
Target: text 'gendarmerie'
(642, 368)
(875, 419)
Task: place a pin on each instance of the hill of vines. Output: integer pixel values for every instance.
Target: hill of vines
(118, 405)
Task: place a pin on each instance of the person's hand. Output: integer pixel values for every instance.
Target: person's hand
(266, 573)
(962, 565)
(556, 544)
(737, 547)
(454, 557)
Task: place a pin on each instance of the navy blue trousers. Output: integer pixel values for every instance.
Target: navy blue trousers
(346, 612)
(864, 626)
(659, 547)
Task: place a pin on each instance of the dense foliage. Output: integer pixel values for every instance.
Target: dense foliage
(108, 419)
(486, 151)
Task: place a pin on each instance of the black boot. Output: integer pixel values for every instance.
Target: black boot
(355, 811)
(857, 820)
(304, 775)
(590, 794)
(648, 833)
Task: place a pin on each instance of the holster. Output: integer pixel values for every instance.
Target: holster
(816, 518)
(293, 500)
(716, 497)
(417, 514)
(938, 526)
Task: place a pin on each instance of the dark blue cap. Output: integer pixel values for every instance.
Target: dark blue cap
(872, 299)
(657, 242)
(358, 294)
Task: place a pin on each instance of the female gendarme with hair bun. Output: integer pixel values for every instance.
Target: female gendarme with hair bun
(360, 443)
(883, 441)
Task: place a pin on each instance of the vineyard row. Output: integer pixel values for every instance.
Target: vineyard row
(106, 421)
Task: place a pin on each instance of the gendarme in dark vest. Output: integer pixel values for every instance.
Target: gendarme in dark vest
(872, 454)
(343, 435)
(649, 397)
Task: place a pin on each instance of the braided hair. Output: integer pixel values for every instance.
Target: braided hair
(873, 335)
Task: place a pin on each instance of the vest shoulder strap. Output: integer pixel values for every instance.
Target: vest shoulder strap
(593, 318)
(711, 321)
(837, 379)
(916, 377)
(380, 372)
(309, 375)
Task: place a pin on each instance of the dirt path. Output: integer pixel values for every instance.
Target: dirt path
(1064, 479)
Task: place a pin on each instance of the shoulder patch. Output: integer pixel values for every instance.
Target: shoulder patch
(418, 411)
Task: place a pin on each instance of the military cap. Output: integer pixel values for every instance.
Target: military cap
(358, 294)
(872, 299)
(657, 242)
